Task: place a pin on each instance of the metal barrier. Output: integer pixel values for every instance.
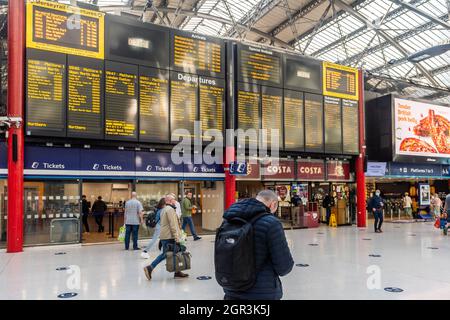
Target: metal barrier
(65, 230)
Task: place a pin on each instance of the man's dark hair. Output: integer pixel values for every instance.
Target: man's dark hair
(83, 196)
(99, 198)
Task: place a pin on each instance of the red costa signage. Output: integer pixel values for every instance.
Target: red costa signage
(338, 171)
(253, 172)
(283, 170)
(310, 170)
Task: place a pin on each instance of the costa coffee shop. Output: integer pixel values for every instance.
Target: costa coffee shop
(311, 179)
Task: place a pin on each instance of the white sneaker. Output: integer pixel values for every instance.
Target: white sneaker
(145, 255)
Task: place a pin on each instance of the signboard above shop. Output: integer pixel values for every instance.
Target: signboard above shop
(279, 170)
(310, 170)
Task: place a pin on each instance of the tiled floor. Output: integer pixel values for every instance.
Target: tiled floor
(339, 268)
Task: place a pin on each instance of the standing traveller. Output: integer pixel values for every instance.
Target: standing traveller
(254, 274)
(407, 203)
(447, 206)
(326, 203)
(376, 205)
(170, 236)
(435, 205)
(134, 216)
(186, 209)
(85, 212)
(157, 231)
(98, 210)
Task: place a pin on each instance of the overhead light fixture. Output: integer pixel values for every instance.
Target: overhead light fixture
(429, 53)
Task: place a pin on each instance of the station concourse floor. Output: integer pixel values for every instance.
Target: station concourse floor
(339, 268)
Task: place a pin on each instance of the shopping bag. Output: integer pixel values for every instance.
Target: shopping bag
(121, 236)
(183, 238)
(437, 223)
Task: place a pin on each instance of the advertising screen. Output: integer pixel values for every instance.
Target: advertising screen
(421, 129)
(61, 28)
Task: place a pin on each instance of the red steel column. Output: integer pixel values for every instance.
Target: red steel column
(16, 45)
(360, 177)
(230, 180)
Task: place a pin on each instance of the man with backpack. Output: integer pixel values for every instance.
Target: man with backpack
(251, 251)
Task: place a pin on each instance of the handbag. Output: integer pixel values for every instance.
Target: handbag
(177, 261)
(437, 223)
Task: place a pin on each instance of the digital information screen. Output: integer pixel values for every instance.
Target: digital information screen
(303, 74)
(183, 101)
(153, 105)
(313, 123)
(61, 28)
(121, 101)
(340, 81)
(258, 65)
(248, 98)
(333, 127)
(85, 98)
(212, 95)
(197, 54)
(272, 113)
(136, 42)
(294, 129)
(350, 127)
(45, 93)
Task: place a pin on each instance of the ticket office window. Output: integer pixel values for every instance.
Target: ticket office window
(149, 194)
(51, 212)
(3, 212)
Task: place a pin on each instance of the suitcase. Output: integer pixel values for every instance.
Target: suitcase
(178, 261)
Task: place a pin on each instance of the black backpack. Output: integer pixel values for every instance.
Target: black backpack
(234, 255)
(150, 220)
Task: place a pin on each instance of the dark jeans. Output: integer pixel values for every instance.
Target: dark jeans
(99, 221)
(85, 222)
(186, 221)
(162, 256)
(328, 215)
(131, 228)
(378, 219)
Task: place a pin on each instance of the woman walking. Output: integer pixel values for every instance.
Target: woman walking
(156, 233)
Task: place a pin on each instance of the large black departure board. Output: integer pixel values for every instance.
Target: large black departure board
(294, 128)
(248, 101)
(212, 95)
(183, 102)
(313, 123)
(136, 42)
(340, 81)
(302, 74)
(259, 65)
(85, 97)
(333, 127)
(350, 128)
(153, 105)
(61, 28)
(197, 54)
(45, 93)
(272, 113)
(121, 96)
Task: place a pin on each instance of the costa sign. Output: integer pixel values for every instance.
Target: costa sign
(338, 170)
(283, 170)
(311, 170)
(253, 172)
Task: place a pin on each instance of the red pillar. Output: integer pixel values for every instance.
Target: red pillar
(16, 45)
(230, 180)
(360, 177)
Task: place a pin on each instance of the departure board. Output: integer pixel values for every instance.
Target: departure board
(313, 123)
(272, 114)
(45, 93)
(340, 81)
(333, 125)
(153, 105)
(61, 28)
(258, 65)
(131, 41)
(183, 102)
(302, 74)
(85, 98)
(294, 128)
(248, 106)
(121, 88)
(197, 54)
(212, 95)
(350, 127)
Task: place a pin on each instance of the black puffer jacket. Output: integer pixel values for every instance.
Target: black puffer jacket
(273, 257)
